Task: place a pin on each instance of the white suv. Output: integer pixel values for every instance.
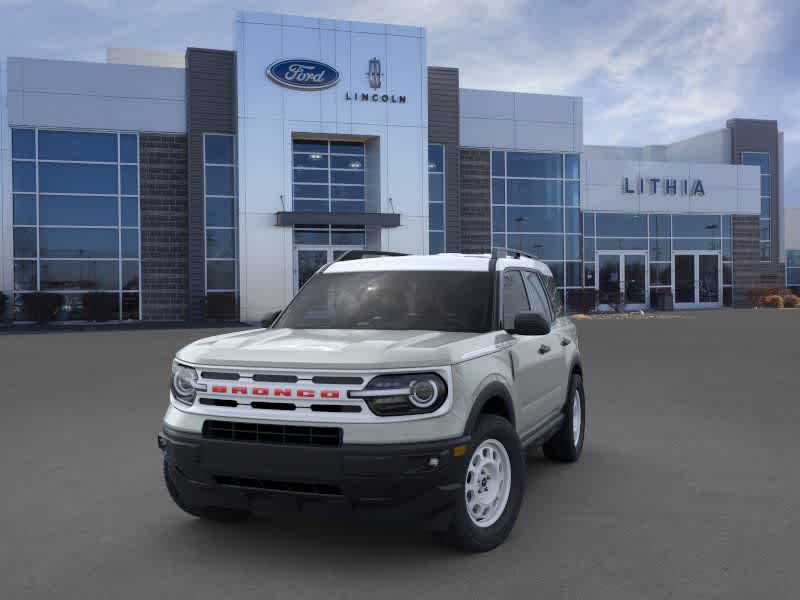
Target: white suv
(390, 386)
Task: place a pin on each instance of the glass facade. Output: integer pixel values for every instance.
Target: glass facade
(659, 235)
(436, 198)
(536, 209)
(761, 160)
(76, 220)
(328, 176)
(793, 268)
(221, 224)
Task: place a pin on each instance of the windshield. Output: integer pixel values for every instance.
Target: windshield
(429, 300)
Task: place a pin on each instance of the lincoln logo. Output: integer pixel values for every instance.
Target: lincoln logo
(274, 392)
(374, 74)
(301, 74)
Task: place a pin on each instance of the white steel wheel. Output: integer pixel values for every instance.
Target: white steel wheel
(577, 418)
(488, 483)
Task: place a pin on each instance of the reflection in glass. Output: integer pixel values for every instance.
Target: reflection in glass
(77, 146)
(80, 275)
(24, 275)
(219, 149)
(56, 242)
(545, 247)
(24, 209)
(67, 178)
(77, 210)
(221, 274)
(220, 243)
(531, 164)
(25, 242)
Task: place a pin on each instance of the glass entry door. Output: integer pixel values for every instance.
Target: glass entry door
(308, 260)
(622, 280)
(697, 279)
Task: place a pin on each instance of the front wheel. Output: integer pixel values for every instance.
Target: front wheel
(566, 445)
(493, 487)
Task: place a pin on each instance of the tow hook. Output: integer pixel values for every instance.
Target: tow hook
(162, 442)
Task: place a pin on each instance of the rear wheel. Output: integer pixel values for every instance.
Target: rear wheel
(566, 445)
(211, 513)
(493, 487)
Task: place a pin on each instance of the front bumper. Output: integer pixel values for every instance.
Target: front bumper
(405, 481)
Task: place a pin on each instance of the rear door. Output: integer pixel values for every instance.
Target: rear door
(530, 355)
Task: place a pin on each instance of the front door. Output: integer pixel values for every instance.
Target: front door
(697, 279)
(622, 280)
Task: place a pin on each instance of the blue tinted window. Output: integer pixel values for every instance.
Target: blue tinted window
(24, 209)
(529, 164)
(535, 220)
(25, 242)
(348, 206)
(660, 226)
(310, 191)
(348, 238)
(347, 192)
(436, 216)
(24, 275)
(77, 210)
(312, 175)
(219, 149)
(435, 242)
(221, 274)
(320, 161)
(588, 224)
(628, 225)
(436, 188)
(726, 225)
(128, 149)
(572, 246)
(219, 212)
(621, 244)
(77, 179)
(793, 258)
(498, 191)
(573, 274)
(80, 146)
(764, 229)
(79, 275)
(23, 176)
(558, 273)
(130, 212)
(546, 247)
(498, 218)
(220, 243)
(312, 237)
(355, 177)
(130, 243)
(347, 148)
(219, 181)
(766, 251)
(310, 146)
(727, 249)
(129, 184)
(311, 205)
(498, 163)
(573, 166)
(499, 240)
(339, 162)
(435, 158)
(526, 191)
(696, 225)
(759, 159)
(78, 243)
(572, 220)
(572, 190)
(695, 244)
(130, 275)
(765, 207)
(765, 185)
(588, 249)
(23, 143)
(660, 249)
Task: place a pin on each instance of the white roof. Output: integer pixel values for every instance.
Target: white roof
(436, 262)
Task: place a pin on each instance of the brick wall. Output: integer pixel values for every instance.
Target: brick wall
(476, 216)
(165, 227)
(746, 253)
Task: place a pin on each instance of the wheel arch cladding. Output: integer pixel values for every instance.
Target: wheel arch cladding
(494, 399)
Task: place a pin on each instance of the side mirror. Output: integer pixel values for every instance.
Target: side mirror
(269, 319)
(530, 323)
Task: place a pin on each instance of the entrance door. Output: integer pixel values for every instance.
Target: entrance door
(697, 279)
(622, 280)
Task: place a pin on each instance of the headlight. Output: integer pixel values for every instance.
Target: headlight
(408, 394)
(183, 383)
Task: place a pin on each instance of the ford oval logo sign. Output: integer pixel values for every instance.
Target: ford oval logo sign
(303, 74)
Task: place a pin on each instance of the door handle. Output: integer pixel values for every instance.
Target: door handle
(566, 341)
(544, 349)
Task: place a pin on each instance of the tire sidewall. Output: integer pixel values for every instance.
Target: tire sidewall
(576, 384)
(468, 534)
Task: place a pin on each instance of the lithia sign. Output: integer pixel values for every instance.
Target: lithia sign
(306, 74)
(667, 186)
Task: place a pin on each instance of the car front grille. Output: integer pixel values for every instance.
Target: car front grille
(268, 433)
(295, 487)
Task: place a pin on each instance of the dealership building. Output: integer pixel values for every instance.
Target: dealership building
(213, 183)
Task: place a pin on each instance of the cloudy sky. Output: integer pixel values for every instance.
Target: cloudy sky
(649, 71)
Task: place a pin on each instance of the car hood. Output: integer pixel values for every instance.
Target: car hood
(330, 349)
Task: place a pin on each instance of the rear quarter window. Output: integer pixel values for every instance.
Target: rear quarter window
(554, 294)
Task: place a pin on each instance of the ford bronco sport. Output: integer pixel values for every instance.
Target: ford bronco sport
(390, 385)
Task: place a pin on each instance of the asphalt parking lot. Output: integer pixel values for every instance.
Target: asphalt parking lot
(688, 486)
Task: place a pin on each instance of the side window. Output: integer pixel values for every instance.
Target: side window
(537, 295)
(554, 295)
(515, 300)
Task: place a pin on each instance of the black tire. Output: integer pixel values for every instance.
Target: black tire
(463, 532)
(211, 513)
(563, 447)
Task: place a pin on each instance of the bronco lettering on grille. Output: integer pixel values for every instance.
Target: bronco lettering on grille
(275, 392)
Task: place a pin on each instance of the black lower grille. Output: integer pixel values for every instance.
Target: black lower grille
(294, 435)
(280, 486)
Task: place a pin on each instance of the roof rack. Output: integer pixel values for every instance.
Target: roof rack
(498, 252)
(359, 254)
